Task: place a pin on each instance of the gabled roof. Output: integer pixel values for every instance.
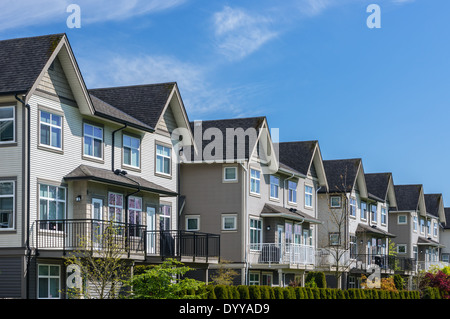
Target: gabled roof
(22, 61)
(344, 174)
(271, 210)
(246, 145)
(381, 186)
(446, 223)
(435, 205)
(301, 155)
(144, 102)
(410, 198)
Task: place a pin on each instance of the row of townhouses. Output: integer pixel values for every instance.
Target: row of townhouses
(209, 193)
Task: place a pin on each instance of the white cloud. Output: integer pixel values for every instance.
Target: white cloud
(239, 33)
(25, 13)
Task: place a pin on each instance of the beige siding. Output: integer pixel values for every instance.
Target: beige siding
(55, 82)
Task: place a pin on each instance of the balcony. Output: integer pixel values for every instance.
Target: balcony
(188, 246)
(292, 255)
(386, 263)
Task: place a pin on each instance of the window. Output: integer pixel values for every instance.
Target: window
(230, 174)
(435, 229)
(255, 234)
(48, 281)
(50, 130)
(164, 217)
(383, 215)
(401, 249)
(353, 207)
(415, 253)
(255, 181)
(115, 207)
(253, 279)
(93, 141)
(135, 210)
(429, 227)
(274, 186)
(7, 130)
(363, 210)
(163, 159)
(335, 201)
(131, 150)
(6, 204)
(52, 206)
(334, 239)
(292, 187)
(401, 219)
(297, 234)
(193, 223)
(422, 225)
(229, 222)
(415, 223)
(373, 209)
(308, 196)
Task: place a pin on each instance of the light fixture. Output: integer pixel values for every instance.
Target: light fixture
(78, 198)
(268, 227)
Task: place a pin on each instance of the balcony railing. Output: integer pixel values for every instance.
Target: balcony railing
(385, 262)
(281, 253)
(180, 243)
(429, 265)
(84, 234)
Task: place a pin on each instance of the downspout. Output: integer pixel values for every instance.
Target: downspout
(244, 221)
(113, 145)
(27, 106)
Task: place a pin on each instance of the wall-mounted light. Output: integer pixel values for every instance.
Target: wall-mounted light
(78, 198)
(268, 228)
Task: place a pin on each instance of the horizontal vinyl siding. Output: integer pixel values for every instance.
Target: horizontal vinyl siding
(10, 277)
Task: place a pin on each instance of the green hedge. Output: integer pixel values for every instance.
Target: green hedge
(267, 292)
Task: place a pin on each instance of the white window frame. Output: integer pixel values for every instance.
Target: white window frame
(115, 206)
(399, 246)
(234, 168)
(256, 181)
(131, 150)
(163, 156)
(251, 280)
(255, 233)
(415, 223)
(233, 217)
(292, 192)
(13, 119)
(383, 216)
(308, 195)
(422, 226)
(93, 137)
(274, 187)
(435, 229)
(374, 214)
(13, 195)
(399, 222)
(363, 213)
(49, 200)
(51, 126)
(331, 201)
(192, 217)
(428, 227)
(137, 210)
(48, 278)
(352, 205)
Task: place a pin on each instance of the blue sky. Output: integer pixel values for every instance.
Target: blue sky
(313, 67)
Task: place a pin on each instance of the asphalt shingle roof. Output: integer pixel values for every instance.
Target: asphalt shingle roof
(297, 155)
(432, 202)
(377, 184)
(407, 196)
(341, 174)
(23, 59)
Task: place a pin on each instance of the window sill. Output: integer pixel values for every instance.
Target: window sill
(50, 149)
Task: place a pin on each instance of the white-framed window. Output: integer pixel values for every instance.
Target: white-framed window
(115, 207)
(334, 238)
(373, 210)
(402, 219)
(401, 249)
(253, 278)
(92, 141)
(229, 222)
(415, 223)
(165, 219)
(7, 124)
(255, 181)
(383, 215)
(363, 210)
(192, 223)
(49, 281)
(435, 229)
(50, 130)
(292, 192)
(308, 196)
(274, 186)
(335, 201)
(429, 227)
(131, 150)
(135, 210)
(422, 225)
(255, 234)
(163, 159)
(230, 174)
(415, 253)
(266, 279)
(52, 206)
(7, 204)
(297, 233)
(352, 207)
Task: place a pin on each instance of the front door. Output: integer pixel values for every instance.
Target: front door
(151, 230)
(97, 216)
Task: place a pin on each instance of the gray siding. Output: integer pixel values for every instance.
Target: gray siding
(10, 277)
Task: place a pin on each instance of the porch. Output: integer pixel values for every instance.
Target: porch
(286, 254)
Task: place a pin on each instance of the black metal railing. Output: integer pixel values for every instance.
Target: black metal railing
(385, 262)
(74, 234)
(180, 243)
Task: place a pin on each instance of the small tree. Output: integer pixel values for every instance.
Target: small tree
(163, 282)
(224, 275)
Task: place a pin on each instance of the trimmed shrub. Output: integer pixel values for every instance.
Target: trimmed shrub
(243, 292)
(265, 292)
(316, 293)
(299, 293)
(255, 292)
(278, 292)
(221, 292)
(289, 293)
(210, 293)
(340, 294)
(233, 292)
(318, 277)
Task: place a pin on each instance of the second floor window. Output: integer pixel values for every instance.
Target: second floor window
(163, 159)
(164, 217)
(135, 210)
(353, 207)
(255, 181)
(373, 209)
(50, 130)
(93, 139)
(6, 205)
(7, 124)
(255, 234)
(308, 196)
(115, 207)
(131, 150)
(292, 187)
(52, 206)
(363, 210)
(274, 186)
(383, 215)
